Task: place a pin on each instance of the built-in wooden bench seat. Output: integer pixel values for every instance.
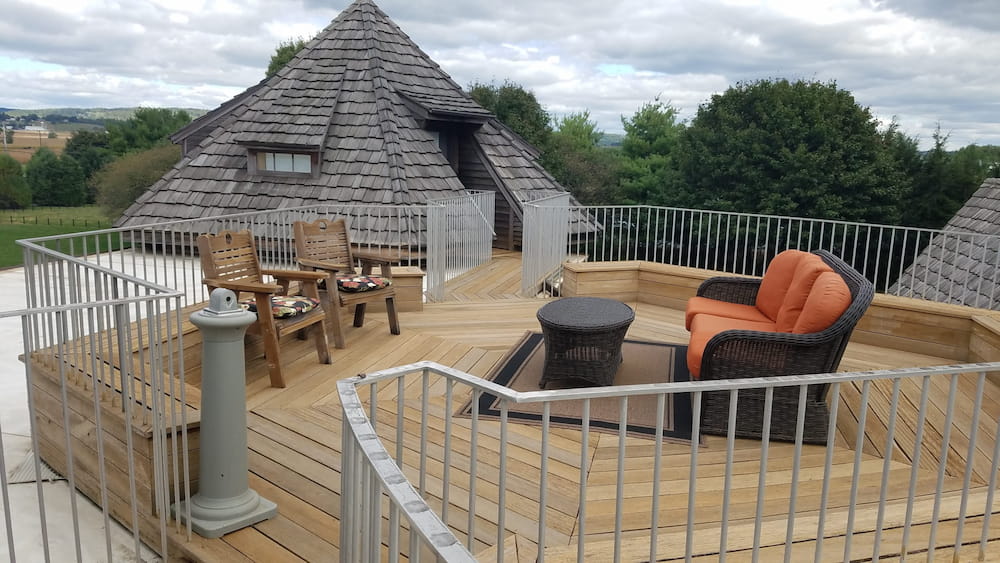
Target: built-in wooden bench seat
(956, 332)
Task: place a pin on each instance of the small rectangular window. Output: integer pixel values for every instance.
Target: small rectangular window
(284, 162)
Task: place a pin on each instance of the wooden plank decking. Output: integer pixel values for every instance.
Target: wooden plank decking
(294, 440)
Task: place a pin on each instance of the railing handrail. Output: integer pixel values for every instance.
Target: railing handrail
(784, 218)
(559, 395)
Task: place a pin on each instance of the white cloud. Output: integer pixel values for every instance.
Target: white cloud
(923, 61)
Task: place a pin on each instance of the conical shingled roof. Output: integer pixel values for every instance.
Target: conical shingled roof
(359, 95)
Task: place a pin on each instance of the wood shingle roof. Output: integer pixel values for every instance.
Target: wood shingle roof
(359, 95)
(961, 268)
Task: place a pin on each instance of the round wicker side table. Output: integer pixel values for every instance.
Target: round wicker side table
(583, 338)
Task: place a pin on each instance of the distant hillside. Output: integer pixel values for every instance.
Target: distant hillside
(611, 140)
(90, 114)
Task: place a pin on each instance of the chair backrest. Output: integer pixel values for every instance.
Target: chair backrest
(324, 240)
(229, 256)
(862, 293)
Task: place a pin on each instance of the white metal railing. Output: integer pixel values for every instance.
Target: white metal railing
(462, 228)
(444, 238)
(428, 479)
(103, 356)
(945, 266)
(544, 250)
(102, 334)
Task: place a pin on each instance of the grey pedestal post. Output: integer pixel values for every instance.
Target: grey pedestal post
(224, 501)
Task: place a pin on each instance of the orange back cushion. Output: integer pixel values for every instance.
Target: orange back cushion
(776, 280)
(827, 301)
(808, 269)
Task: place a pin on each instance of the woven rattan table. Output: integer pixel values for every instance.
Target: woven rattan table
(583, 338)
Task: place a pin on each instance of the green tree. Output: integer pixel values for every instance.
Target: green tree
(588, 171)
(945, 180)
(54, 181)
(283, 53)
(146, 129)
(122, 181)
(801, 148)
(516, 108)
(9, 134)
(91, 149)
(649, 172)
(14, 192)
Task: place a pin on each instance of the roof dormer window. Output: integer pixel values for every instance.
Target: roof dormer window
(283, 162)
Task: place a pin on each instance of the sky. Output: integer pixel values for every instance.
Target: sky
(922, 63)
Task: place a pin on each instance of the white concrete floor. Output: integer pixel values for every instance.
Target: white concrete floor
(25, 521)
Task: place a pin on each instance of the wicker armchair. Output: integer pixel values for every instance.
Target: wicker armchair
(735, 354)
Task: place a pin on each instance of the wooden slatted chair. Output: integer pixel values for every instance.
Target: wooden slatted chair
(229, 260)
(326, 246)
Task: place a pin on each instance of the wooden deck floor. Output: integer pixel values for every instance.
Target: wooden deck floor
(294, 440)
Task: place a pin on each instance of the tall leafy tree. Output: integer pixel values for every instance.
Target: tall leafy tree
(55, 181)
(802, 148)
(119, 183)
(144, 130)
(14, 192)
(588, 171)
(945, 180)
(649, 172)
(90, 149)
(283, 53)
(516, 108)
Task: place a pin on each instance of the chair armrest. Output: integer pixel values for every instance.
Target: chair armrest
(322, 265)
(249, 287)
(730, 289)
(373, 257)
(296, 275)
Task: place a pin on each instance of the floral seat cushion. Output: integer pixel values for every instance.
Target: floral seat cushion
(357, 284)
(285, 306)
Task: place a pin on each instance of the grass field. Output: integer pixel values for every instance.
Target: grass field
(27, 142)
(42, 222)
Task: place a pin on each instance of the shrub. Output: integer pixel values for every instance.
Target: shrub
(121, 182)
(14, 192)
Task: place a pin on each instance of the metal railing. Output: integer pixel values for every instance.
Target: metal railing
(945, 266)
(545, 249)
(462, 229)
(458, 468)
(445, 238)
(104, 352)
(104, 369)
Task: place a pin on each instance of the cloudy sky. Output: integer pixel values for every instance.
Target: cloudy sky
(924, 62)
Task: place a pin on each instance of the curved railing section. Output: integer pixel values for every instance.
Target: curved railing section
(403, 442)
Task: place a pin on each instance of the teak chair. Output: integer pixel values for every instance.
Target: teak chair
(326, 246)
(229, 260)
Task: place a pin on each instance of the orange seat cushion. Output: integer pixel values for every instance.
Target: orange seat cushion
(776, 281)
(706, 306)
(827, 301)
(808, 269)
(704, 327)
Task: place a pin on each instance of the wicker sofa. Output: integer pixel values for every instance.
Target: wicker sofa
(796, 320)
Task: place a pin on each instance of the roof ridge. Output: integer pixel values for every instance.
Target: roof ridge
(384, 105)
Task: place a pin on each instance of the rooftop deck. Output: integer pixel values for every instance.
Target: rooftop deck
(295, 442)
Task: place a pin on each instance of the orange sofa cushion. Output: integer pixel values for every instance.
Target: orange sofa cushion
(704, 327)
(706, 306)
(776, 281)
(827, 301)
(808, 269)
